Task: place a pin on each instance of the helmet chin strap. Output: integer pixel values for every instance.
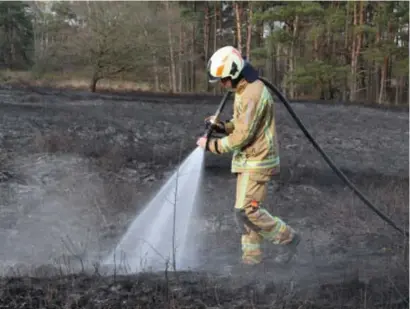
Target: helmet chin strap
(236, 81)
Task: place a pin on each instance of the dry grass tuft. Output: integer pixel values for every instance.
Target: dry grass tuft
(68, 81)
(105, 84)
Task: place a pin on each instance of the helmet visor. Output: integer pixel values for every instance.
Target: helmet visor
(211, 79)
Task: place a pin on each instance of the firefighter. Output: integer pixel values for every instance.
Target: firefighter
(251, 137)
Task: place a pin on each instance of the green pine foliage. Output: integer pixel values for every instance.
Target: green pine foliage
(331, 50)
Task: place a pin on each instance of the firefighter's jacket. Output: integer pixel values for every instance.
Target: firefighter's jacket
(251, 132)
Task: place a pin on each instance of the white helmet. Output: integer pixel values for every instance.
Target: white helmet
(225, 62)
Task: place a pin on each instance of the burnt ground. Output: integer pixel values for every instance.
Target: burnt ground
(75, 168)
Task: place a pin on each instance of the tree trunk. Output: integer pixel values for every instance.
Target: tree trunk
(277, 63)
(292, 57)
(383, 81)
(259, 34)
(377, 69)
(397, 93)
(180, 58)
(171, 53)
(156, 75)
(187, 75)
(238, 11)
(215, 32)
(401, 89)
(369, 88)
(193, 68)
(207, 30)
(389, 64)
(269, 59)
(193, 60)
(346, 52)
(222, 37)
(319, 87)
(249, 36)
(353, 60)
(94, 80)
(13, 47)
(215, 26)
(376, 80)
(170, 78)
(357, 41)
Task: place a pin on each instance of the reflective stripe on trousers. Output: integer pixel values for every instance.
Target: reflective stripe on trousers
(251, 191)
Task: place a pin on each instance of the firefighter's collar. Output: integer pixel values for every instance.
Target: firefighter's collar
(241, 86)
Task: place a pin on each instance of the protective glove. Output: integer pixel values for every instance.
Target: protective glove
(218, 126)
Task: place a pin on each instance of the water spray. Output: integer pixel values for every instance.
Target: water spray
(158, 234)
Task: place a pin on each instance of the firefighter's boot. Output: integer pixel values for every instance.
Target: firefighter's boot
(288, 251)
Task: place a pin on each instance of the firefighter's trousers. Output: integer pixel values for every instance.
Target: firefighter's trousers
(258, 224)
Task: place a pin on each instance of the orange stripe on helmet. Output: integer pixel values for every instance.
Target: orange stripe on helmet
(220, 70)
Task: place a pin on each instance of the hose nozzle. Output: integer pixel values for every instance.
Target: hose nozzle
(209, 129)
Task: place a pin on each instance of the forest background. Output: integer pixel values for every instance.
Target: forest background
(350, 51)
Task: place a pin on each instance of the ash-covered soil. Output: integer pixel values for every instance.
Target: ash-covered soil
(75, 168)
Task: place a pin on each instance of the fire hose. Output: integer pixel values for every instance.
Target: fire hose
(332, 165)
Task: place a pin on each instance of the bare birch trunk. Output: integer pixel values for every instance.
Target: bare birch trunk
(215, 24)
(238, 12)
(207, 30)
(156, 74)
(346, 48)
(356, 46)
(180, 58)
(169, 78)
(292, 57)
(383, 80)
(249, 36)
(173, 81)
